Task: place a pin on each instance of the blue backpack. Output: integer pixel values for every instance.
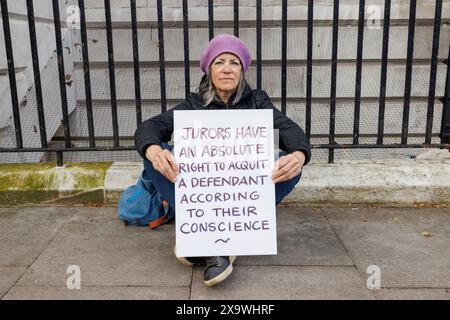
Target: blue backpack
(141, 205)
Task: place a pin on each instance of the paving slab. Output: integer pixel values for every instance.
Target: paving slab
(410, 246)
(412, 294)
(304, 237)
(109, 254)
(283, 283)
(8, 276)
(317, 250)
(26, 232)
(97, 293)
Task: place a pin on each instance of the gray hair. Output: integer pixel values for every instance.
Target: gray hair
(207, 91)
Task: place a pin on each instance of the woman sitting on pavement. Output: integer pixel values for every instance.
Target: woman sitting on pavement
(224, 63)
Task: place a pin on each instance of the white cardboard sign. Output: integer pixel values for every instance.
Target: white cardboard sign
(224, 194)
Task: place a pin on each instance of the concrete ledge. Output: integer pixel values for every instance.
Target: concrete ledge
(42, 182)
(119, 176)
(399, 183)
(424, 181)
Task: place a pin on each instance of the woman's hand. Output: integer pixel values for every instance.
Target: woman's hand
(163, 161)
(288, 166)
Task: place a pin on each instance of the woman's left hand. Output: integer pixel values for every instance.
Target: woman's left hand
(288, 166)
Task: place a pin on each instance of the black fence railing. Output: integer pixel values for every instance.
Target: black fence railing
(332, 144)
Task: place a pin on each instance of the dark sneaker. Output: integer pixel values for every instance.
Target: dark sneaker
(217, 269)
(188, 261)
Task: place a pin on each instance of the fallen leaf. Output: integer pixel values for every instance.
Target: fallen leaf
(420, 205)
(426, 234)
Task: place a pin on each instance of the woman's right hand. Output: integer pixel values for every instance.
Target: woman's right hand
(163, 161)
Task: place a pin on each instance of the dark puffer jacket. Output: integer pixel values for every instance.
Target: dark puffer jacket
(160, 128)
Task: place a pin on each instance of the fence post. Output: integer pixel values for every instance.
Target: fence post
(445, 127)
(59, 159)
(12, 74)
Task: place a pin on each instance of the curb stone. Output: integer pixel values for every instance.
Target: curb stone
(389, 183)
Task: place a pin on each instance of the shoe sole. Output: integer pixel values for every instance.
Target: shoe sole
(182, 260)
(221, 277)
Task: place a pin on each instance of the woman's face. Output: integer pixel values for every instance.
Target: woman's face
(226, 72)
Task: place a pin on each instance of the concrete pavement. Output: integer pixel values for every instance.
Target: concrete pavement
(323, 253)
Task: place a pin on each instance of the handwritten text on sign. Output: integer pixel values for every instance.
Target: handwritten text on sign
(224, 194)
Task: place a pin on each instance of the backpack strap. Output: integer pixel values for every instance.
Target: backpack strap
(168, 214)
(157, 222)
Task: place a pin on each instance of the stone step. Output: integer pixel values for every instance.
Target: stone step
(5, 95)
(296, 111)
(320, 114)
(271, 43)
(271, 81)
(318, 155)
(29, 115)
(271, 10)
